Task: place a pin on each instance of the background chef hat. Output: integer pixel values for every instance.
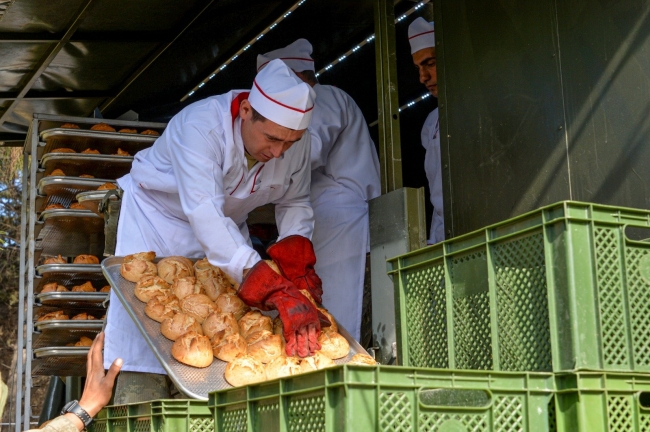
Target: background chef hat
(280, 96)
(296, 55)
(421, 35)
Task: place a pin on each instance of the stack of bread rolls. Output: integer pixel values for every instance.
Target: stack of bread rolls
(198, 309)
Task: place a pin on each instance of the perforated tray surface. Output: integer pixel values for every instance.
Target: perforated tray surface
(71, 233)
(91, 199)
(61, 361)
(97, 165)
(194, 382)
(106, 142)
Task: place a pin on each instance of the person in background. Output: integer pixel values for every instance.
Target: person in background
(422, 39)
(344, 177)
(77, 415)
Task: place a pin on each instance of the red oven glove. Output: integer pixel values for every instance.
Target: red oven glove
(265, 289)
(295, 257)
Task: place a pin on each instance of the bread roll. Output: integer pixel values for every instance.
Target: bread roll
(54, 207)
(214, 287)
(77, 206)
(85, 176)
(174, 267)
(204, 270)
(102, 127)
(217, 322)
(149, 287)
(198, 306)
(362, 359)
(63, 150)
(266, 348)
(278, 328)
(333, 345)
(107, 288)
(333, 327)
(193, 349)
(121, 152)
(56, 315)
(128, 130)
(254, 321)
(162, 307)
(84, 342)
(184, 286)
(55, 260)
(257, 336)
(136, 266)
(83, 316)
(282, 367)
(231, 303)
(56, 172)
(178, 325)
(149, 132)
(107, 186)
(53, 287)
(316, 362)
(85, 259)
(69, 126)
(86, 287)
(228, 347)
(244, 370)
(90, 151)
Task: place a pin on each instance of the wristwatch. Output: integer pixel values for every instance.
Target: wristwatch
(74, 408)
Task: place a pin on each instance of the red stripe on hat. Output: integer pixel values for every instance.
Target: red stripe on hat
(423, 33)
(284, 58)
(280, 103)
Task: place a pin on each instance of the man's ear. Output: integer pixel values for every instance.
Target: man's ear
(245, 110)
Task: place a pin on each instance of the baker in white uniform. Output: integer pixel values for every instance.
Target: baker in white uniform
(345, 175)
(422, 38)
(191, 192)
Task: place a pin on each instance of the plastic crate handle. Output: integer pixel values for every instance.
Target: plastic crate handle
(455, 399)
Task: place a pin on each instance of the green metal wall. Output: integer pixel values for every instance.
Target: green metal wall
(542, 101)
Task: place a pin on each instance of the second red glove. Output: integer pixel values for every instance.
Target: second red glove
(296, 258)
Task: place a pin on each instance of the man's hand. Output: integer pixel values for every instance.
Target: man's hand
(99, 386)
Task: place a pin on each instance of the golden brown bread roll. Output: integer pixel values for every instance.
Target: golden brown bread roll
(198, 306)
(128, 130)
(254, 321)
(282, 367)
(231, 303)
(362, 359)
(90, 151)
(56, 315)
(203, 270)
(162, 307)
(333, 327)
(121, 152)
(107, 186)
(53, 287)
(55, 260)
(102, 127)
(333, 345)
(85, 287)
(56, 172)
(86, 259)
(266, 348)
(84, 342)
(193, 349)
(184, 286)
(86, 176)
(217, 322)
(257, 336)
(62, 150)
(106, 288)
(214, 287)
(136, 266)
(77, 206)
(278, 328)
(244, 370)
(83, 316)
(149, 287)
(174, 267)
(54, 207)
(178, 325)
(69, 126)
(316, 362)
(149, 132)
(228, 347)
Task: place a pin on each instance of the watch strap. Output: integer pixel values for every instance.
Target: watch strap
(73, 407)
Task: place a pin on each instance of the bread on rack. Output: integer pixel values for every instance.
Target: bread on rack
(86, 176)
(84, 342)
(77, 206)
(254, 321)
(136, 266)
(282, 367)
(106, 288)
(54, 206)
(85, 259)
(56, 315)
(362, 359)
(55, 260)
(53, 287)
(333, 345)
(231, 303)
(62, 150)
(102, 127)
(57, 172)
(174, 267)
(244, 370)
(227, 347)
(176, 326)
(198, 306)
(266, 347)
(90, 151)
(107, 186)
(149, 132)
(217, 322)
(69, 126)
(85, 287)
(149, 287)
(121, 152)
(184, 286)
(162, 307)
(193, 349)
(83, 316)
(128, 130)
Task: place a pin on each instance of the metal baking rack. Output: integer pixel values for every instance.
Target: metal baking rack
(91, 199)
(66, 232)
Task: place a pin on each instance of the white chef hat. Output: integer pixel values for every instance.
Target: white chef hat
(296, 55)
(280, 96)
(421, 35)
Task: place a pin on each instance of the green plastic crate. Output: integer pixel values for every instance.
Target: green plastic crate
(603, 402)
(565, 287)
(388, 398)
(172, 415)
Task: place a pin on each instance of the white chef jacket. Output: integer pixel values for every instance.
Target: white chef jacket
(190, 195)
(345, 176)
(432, 167)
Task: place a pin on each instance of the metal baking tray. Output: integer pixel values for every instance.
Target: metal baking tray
(70, 279)
(106, 142)
(52, 270)
(193, 382)
(61, 338)
(98, 165)
(68, 186)
(91, 199)
(72, 299)
(71, 233)
(60, 361)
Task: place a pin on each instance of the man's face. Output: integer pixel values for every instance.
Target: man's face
(425, 62)
(265, 140)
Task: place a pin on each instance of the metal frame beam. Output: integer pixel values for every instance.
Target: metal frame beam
(111, 36)
(57, 94)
